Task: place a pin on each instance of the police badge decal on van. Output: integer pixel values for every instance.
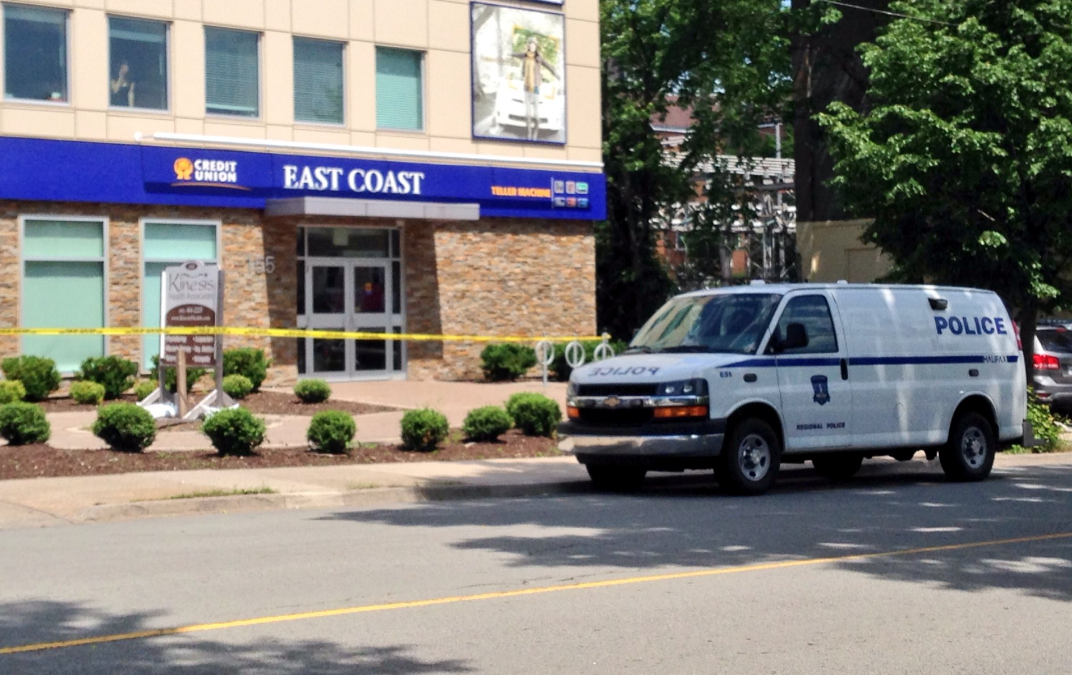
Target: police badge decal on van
(822, 391)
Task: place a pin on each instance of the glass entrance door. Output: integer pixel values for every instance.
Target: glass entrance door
(351, 295)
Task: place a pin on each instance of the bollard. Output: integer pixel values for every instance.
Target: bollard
(545, 356)
(575, 354)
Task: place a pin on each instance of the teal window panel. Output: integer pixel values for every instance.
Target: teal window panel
(318, 81)
(63, 294)
(179, 241)
(232, 72)
(399, 89)
(63, 239)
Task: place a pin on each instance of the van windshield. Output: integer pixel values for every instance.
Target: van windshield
(720, 323)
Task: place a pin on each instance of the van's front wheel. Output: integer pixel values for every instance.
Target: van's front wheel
(750, 459)
(969, 454)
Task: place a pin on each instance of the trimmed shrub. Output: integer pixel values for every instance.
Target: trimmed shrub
(87, 393)
(125, 427)
(534, 414)
(487, 423)
(424, 429)
(234, 431)
(507, 362)
(312, 391)
(246, 361)
(331, 431)
(560, 369)
(237, 386)
(39, 376)
(143, 389)
(171, 376)
(22, 423)
(11, 391)
(115, 374)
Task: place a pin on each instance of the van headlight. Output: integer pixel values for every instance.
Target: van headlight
(694, 387)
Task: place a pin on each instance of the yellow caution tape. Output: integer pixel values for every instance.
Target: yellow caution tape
(292, 333)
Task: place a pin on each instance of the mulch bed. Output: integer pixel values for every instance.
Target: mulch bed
(260, 403)
(40, 461)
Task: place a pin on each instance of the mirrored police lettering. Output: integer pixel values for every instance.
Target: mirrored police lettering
(971, 325)
(637, 370)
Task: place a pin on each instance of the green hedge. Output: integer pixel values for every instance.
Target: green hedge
(487, 423)
(113, 373)
(87, 393)
(125, 426)
(424, 429)
(38, 375)
(23, 423)
(534, 414)
(506, 362)
(249, 362)
(234, 431)
(331, 431)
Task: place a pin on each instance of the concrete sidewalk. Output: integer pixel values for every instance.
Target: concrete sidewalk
(43, 502)
(70, 430)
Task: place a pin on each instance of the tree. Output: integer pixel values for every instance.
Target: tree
(965, 157)
(726, 60)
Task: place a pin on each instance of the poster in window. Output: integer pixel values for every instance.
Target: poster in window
(519, 74)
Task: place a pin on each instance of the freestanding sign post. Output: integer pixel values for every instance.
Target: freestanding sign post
(192, 297)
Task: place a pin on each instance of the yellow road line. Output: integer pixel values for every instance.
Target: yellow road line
(496, 595)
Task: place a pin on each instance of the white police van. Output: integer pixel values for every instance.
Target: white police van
(744, 379)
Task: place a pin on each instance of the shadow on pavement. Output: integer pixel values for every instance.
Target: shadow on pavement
(36, 622)
(685, 522)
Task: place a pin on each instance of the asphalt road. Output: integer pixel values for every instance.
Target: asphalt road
(678, 579)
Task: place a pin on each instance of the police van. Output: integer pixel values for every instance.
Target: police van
(744, 379)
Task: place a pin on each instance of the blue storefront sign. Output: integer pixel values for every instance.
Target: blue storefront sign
(45, 170)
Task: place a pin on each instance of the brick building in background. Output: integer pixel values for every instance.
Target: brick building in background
(376, 165)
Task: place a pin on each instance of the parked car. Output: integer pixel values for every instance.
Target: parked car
(746, 378)
(1053, 364)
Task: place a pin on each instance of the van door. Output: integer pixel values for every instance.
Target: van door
(813, 380)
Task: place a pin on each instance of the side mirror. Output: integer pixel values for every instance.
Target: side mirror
(796, 336)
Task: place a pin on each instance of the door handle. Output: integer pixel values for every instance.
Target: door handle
(844, 369)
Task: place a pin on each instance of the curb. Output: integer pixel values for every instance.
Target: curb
(326, 500)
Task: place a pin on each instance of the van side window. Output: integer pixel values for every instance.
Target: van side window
(814, 313)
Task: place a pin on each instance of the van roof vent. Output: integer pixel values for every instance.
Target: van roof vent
(842, 281)
(758, 282)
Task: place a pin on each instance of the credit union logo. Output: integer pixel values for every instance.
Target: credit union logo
(206, 173)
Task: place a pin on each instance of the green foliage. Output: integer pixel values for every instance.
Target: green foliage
(424, 429)
(331, 431)
(560, 368)
(38, 375)
(506, 362)
(247, 361)
(234, 431)
(87, 393)
(963, 155)
(657, 53)
(171, 376)
(312, 391)
(487, 423)
(125, 427)
(115, 374)
(534, 414)
(11, 391)
(1043, 425)
(143, 389)
(23, 423)
(237, 386)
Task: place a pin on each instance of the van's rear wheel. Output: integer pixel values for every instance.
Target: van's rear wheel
(969, 454)
(750, 459)
(838, 466)
(616, 478)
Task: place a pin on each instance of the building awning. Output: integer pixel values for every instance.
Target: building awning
(369, 208)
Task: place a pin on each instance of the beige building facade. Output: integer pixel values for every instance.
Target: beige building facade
(383, 166)
(833, 251)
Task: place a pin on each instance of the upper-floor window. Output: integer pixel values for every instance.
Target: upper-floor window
(399, 89)
(232, 72)
(35, 53)
(138, 70)
(318, 81)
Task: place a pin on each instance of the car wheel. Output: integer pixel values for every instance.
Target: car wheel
(969, 454)
(750, 459)
(838, 466)
(616, 478)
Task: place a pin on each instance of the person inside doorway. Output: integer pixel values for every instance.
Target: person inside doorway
(532, 65)
(123, 87)
(372, 298)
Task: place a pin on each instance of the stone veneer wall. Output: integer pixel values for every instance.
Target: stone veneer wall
(251, 299)
(494, 277)
(491, 277)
